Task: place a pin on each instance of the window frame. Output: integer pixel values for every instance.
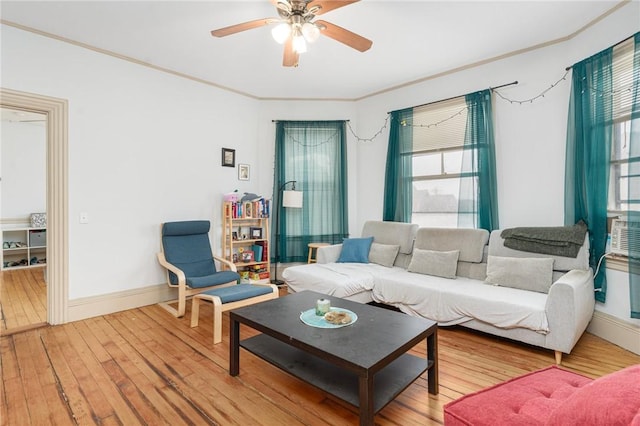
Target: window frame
(622, 114)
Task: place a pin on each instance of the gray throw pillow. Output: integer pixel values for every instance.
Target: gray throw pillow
(383, 254)
(528, 273)
(439, 263)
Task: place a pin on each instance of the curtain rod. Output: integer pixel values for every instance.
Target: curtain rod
(302, 121)
(613, 45)
(453, 97)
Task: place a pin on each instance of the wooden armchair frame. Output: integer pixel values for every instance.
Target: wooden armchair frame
(184, 290)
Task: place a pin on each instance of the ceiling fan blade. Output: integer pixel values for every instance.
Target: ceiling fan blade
(328, 5)
(223, 32)
(290, 58)
(345, 36)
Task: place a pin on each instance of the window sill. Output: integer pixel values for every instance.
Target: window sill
(617, 263)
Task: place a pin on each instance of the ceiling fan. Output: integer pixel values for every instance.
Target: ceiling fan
(296, 27)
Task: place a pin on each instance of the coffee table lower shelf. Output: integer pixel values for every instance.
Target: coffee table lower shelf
(337, 381)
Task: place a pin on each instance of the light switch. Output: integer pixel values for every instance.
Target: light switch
(84, 217)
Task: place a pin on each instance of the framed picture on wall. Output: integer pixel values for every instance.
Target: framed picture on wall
(243, 172)
(228, 157)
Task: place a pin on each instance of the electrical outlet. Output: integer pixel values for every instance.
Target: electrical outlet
(84, 217)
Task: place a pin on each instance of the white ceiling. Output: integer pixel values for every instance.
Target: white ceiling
(412, 40)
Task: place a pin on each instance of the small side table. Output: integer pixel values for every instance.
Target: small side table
(313, 251)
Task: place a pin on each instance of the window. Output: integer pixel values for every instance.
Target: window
(438, 165)
(620, 201)
(622, 173)
(314, 154)
(441, 164)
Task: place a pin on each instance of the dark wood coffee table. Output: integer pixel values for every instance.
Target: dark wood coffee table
(364, 364)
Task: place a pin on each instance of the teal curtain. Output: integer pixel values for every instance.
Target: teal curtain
(589, 136)
(314, 154)
(398, 181)
(478, 199)
(634, 170)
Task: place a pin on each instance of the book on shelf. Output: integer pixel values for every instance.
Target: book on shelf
(257, 252)
(264, 252)
(257, 209)
(254, 272)
(259, 275)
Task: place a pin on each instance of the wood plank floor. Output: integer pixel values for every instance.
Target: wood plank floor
(23, 299)
(143, 366)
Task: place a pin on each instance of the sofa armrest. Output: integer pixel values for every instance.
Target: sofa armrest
(328, 254)
(569, 308)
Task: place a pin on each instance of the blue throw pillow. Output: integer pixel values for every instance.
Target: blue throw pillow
(355, 250)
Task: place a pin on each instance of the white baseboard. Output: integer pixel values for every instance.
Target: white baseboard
(616, 331)
(88, 307)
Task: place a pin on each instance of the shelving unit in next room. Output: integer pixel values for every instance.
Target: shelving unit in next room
(23, 247)
(245, 238)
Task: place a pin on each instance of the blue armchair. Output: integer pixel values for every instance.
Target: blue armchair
(191, 268)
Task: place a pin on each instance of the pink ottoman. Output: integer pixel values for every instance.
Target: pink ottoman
(552, 396)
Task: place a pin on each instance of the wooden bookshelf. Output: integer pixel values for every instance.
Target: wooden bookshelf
(245, 238)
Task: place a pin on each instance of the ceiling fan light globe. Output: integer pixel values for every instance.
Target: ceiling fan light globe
(281, 32)
(310, 32)
(299, 44)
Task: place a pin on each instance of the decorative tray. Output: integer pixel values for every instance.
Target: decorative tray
(309, 317)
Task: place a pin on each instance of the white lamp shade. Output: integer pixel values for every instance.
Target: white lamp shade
(292, 199)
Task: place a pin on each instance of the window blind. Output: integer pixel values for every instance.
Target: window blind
(623, 78)
(615, 83)
(439, 126)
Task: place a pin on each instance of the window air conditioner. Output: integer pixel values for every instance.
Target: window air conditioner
(625, 237)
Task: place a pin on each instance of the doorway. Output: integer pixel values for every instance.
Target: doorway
(56, 272)
(23, 291)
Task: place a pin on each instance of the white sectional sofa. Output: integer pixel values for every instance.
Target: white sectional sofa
(449, 276)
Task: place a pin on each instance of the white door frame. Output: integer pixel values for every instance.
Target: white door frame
(57, 268)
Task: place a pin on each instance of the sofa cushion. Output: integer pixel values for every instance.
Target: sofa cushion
(561, 263)
(459, 301)
(335, 279)
(525, 400)
(524, 273)
(383, 254)
(613, 399)
(430, 262)
(470, 242)
(384, 232)
(355, 250)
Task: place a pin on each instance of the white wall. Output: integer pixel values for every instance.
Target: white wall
(144, 148)
(23, 164)
(529, 138)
